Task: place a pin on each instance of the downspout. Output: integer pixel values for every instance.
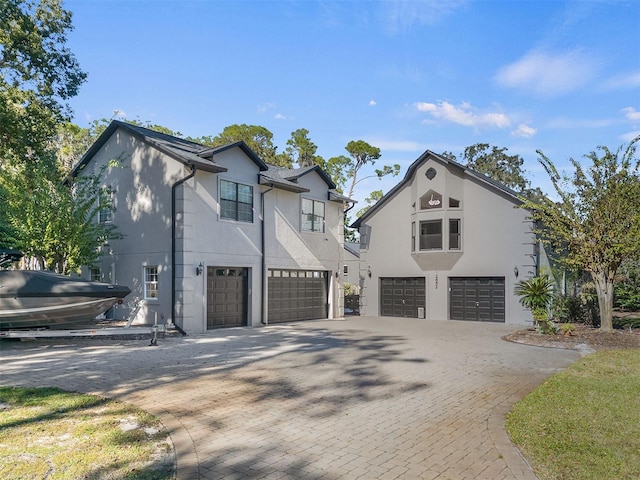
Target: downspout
(263, 316)
(173, 246)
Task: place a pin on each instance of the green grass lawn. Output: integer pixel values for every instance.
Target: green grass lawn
(53, 434)
(583, 423)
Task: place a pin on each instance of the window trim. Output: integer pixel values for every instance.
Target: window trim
(236, 202)
(313, 215)
(147, 283)
(426, 236)
(458, 234)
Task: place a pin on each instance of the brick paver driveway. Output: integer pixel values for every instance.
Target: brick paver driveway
(365, 397)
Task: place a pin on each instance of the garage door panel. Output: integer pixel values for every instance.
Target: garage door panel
(297, 295)
(477, 298)
(226, 297)
(401, 296)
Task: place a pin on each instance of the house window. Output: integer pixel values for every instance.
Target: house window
(413, 236)
(431, 200)
(346, 270)
(312, 215)
(454, 234)
(236, 201)
(431, 235)
(105, 215)
(453, 203)
(151, 282)
(95, 274)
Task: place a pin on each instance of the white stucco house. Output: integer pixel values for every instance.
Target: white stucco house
(446, 243)
(215, 237)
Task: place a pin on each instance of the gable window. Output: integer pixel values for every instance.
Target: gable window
(431, 235)
(236, 201)
(431, 200)
(346, 270)
(312, 215)
(454, 234)
(151, 282)
(453, 203)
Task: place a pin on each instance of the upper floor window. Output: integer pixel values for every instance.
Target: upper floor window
(454, 234)
(431, 235)
(312, 215)
(151, 282)
(236, 201)
(453, 203)
(106, 199)
(430, 200)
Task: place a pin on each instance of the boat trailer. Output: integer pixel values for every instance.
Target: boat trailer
(152, 330)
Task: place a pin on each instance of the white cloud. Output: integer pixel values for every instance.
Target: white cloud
(464, 114)
(401, 15)
(524, 131)
(279, 116)
(631, 114)
(627, 137)
(624, 81)
(548, 74)
(372, 103)
(265, 107)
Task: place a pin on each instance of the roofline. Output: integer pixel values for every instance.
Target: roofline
(284, 185)
(242, 146)
(411, 172)
(321, 172)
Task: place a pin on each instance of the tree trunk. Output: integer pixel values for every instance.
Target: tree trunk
(604, 289)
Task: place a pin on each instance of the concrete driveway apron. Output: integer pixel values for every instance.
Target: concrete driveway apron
(360, 398)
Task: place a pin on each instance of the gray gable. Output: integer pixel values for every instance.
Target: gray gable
(429, 155)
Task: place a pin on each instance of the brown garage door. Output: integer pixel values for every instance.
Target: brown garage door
(402, 297)
(297, 295)
(477, 298)
(226, 297)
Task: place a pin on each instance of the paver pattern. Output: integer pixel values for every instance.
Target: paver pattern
(355, 398)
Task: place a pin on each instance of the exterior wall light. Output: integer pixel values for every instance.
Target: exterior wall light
(199, 269)
(369, 272)
(516, 272)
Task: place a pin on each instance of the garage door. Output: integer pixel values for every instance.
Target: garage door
(297, 295)
(477, 298)
(226, 297)
(402, 297)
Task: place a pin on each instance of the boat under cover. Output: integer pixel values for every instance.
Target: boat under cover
(38, 299)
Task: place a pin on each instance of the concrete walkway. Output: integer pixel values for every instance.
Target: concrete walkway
(360, 398)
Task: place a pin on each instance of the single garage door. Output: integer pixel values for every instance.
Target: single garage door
(297, 295)
(402, 297)
(226, 297)
(477, 298)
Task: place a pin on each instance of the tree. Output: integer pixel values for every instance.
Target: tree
(259, 139)
(302, 150)
(54, 221)
(370, 201)
(497, 165)
(536, 295)
(596, 222)
(38, 74)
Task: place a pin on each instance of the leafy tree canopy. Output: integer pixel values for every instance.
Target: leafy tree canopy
(38, 74)
(596, 222)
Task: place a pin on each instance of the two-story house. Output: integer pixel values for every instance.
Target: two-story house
(215, 237)
(446, 243)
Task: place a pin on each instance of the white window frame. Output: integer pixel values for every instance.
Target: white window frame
(95, 274)
(151, 276)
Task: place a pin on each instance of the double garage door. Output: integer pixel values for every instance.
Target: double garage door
(470, 298)
(297, 295)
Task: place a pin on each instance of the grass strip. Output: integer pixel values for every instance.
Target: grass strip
(583, 423)
(54, 434)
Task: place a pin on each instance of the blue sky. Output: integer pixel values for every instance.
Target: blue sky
(405, 76)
